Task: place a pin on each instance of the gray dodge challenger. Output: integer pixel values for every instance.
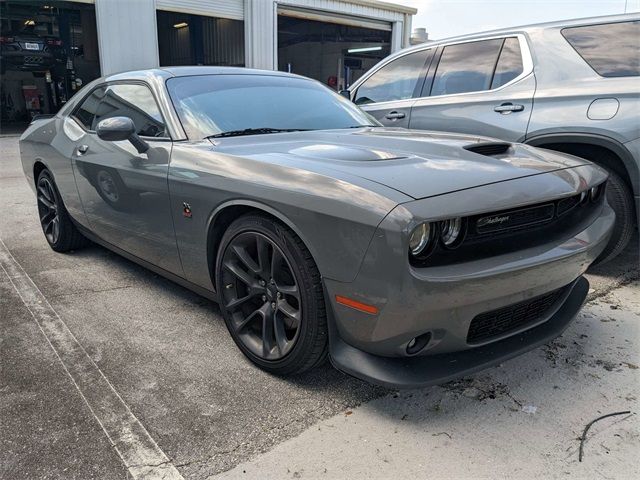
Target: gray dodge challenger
(407, 258)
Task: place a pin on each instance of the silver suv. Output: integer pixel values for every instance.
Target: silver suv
(570, 86)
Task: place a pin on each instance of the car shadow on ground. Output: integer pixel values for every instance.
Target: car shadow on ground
(322, 378)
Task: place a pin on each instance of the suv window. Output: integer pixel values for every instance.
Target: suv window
(611, 49)
(86, 112)
(509, 64)
(397, 80)
(135, 102)
(466, 67)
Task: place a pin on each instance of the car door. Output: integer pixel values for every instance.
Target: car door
(125, 193)
(389, 93)
(482, 87)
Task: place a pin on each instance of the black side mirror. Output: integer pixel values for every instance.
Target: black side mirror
(116, 129)
(346, 94)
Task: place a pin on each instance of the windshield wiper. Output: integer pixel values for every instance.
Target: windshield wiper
(254, 131)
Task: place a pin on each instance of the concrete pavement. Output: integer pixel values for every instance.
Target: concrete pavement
(167, 354)
(521, 420)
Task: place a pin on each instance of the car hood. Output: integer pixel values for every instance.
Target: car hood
(416, 163)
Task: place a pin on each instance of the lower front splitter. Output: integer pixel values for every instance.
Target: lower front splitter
(422, 371)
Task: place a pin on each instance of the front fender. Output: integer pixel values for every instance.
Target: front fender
(335, 218)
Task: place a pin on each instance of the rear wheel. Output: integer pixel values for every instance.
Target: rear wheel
(271, 296)
(60, 232)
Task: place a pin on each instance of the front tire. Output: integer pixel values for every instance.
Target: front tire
(59, 231)
(271, 296)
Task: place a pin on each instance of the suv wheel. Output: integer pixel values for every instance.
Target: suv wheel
(621, 200)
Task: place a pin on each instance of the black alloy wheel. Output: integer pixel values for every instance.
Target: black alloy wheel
(271, 296)
(261, 295)
(58, 228)
(48, 210)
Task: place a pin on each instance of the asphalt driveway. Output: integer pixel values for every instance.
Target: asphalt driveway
(90, 342)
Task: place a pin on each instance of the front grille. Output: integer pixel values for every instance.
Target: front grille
(514, 317)
(496, 233)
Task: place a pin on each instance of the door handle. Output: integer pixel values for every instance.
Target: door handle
(82, 149)
(508, 107)
(394, 115)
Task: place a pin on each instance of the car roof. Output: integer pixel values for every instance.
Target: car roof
(187, 71)
(525, 28)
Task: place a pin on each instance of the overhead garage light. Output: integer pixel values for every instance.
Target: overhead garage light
(181, 25)
(30, 22)
(364, 49)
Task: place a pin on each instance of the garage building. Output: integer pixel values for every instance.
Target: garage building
(51, 48)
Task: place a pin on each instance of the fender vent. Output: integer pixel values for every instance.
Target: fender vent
(489, 148)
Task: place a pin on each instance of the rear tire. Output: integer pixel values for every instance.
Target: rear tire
(271, 296)
(58, 228)
(620, 199)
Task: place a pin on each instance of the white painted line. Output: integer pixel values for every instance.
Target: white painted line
(139, 452)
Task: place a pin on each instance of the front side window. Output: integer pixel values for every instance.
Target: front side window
(611, 49)
(226, 105)
(509, 64)
(135, 102)
(466, 67)
(86, 112)
(395, 81)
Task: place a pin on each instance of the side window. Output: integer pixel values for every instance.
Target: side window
(135, 102)
(466, 67)
(86, 111)
(395, 81)
(510, 63)
(611, 49)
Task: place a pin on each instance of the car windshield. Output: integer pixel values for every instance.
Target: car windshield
(229, 105)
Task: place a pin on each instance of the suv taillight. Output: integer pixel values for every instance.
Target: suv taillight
(6, 39)
(55, 43)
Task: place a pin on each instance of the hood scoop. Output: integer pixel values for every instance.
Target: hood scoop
(489, 149)
(328, 151)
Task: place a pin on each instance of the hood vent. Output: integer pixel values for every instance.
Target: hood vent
(489, 148)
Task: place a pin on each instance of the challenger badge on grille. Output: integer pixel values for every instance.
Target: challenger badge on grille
(515, 218)
(497, 220)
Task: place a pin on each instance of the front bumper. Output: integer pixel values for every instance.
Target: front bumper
(422, 371)
(443, 301)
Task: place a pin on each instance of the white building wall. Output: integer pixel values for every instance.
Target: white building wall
(260, 34)
(127, 35)
(127, 30)
(233, 9)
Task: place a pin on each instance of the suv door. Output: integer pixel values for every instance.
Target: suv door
(482, 87)
(124, 193)
(390, 91)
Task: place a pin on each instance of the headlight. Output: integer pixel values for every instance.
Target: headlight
(584, 196)
(450, 230)
(419, 238)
